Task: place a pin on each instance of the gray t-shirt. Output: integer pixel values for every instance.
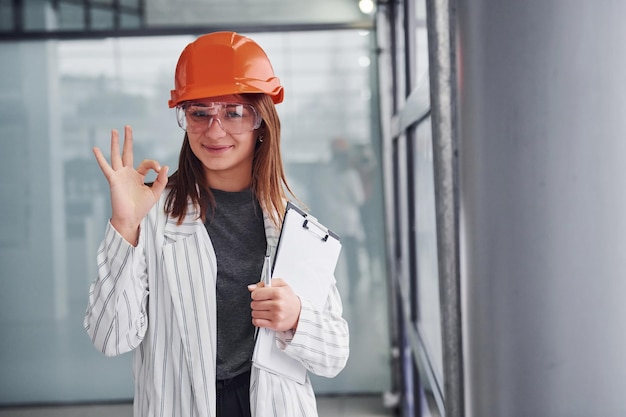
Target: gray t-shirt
(238, 235)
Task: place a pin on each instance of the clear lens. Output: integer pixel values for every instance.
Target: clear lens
(233, 118)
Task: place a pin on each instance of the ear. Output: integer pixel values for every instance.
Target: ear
(260, 133)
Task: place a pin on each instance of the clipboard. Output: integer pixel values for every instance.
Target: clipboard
(306, 257)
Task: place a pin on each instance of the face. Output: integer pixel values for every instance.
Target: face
(226, 157)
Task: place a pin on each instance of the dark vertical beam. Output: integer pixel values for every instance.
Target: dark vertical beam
(393, 13)
(409, 67)
(141, 10)
(411, 254)
(87, 14)
(18, 15)
(116, 14)
(410, 46)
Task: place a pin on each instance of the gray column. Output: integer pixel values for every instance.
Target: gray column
(543, 205)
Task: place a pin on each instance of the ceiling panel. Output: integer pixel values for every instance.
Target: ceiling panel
(255, 12)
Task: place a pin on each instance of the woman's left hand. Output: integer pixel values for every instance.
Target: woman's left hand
(276, 307)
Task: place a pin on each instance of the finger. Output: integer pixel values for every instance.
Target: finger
(257, 285)
(261, 294)
(161, 181)
(279, 282)
(261, 323)
(262, 314)
(127, 153)
(102, 162)
(116, 161)
(148, 164)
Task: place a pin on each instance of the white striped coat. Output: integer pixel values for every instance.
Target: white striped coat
(158, 300)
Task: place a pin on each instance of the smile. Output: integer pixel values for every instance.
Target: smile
(216, 148)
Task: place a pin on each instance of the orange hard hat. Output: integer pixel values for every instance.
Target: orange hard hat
(223, 63)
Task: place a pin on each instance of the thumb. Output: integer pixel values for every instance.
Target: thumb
(253, 287)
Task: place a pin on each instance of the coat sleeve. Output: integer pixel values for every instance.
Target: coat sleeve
(116, 318)
(321, 341)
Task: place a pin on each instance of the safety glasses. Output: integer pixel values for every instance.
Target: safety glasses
(233, 118)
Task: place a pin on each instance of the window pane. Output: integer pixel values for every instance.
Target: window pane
(38, 14)
(400, 58)
(77, 91)
(71, 16)
(101, 18)
(429, 322)
(421, 42)
(6, 15)
(130, 3)
(129, 21)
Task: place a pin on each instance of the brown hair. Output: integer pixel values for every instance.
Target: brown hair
(189, 184)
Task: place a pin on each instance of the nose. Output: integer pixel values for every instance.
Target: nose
(215, 129)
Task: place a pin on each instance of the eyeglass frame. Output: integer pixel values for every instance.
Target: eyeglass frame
(181, 115)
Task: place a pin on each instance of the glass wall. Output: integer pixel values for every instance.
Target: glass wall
(410, 181)
(427, 291)
(58, 99)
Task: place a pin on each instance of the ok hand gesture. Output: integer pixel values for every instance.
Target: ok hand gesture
(131, 198)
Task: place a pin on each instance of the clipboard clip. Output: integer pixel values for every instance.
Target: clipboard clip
(323, 235)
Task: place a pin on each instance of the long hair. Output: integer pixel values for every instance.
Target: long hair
(269, 183)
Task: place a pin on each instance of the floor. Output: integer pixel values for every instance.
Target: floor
(328, 406)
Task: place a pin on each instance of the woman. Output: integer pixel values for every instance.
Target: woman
(179, 254)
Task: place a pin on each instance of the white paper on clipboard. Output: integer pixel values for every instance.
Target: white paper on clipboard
(305, 258)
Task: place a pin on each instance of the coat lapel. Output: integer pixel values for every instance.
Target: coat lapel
(191, 273)
(271, 235)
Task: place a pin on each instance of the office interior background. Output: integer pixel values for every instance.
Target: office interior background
(488, 140)
(71, 72)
